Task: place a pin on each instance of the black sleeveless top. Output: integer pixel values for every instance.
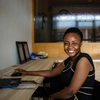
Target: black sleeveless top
(86, 91)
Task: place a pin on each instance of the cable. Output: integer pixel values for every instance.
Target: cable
(48, 93)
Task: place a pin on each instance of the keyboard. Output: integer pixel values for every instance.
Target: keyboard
(9, 82)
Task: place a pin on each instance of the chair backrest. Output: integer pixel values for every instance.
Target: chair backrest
(96, 93)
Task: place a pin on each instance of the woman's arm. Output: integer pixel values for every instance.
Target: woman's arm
(46, 73)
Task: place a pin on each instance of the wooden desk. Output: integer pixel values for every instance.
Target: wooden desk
(42, 64)
(24, 94)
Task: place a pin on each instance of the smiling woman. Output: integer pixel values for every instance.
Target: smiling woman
(74, 77)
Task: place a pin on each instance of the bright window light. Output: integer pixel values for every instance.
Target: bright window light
(85, 17)
(97, 17)
(77, 17)
(65, 17)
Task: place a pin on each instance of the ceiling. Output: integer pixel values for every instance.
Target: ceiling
(73, 2)
(52, 7)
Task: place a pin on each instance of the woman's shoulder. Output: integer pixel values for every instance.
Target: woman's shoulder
(86, 55)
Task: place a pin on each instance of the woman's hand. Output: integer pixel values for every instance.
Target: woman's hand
(24, 72)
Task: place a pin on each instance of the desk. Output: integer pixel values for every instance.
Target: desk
(25, 94)
(41, 64)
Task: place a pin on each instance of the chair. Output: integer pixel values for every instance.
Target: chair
(50, 86)
(42, 91)
(96, 92)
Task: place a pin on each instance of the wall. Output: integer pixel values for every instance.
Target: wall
(56, 49)
(15, 25)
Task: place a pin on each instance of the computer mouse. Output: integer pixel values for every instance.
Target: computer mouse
(16, 74)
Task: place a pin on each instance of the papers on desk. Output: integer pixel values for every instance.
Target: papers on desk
(27, 84)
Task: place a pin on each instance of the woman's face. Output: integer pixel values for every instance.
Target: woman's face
(72, 44)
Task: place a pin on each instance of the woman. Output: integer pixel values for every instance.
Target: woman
(77, 71)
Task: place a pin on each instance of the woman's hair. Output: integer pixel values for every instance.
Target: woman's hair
(74, 30)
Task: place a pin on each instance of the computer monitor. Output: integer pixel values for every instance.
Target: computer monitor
(20, 50)
(26, 51)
